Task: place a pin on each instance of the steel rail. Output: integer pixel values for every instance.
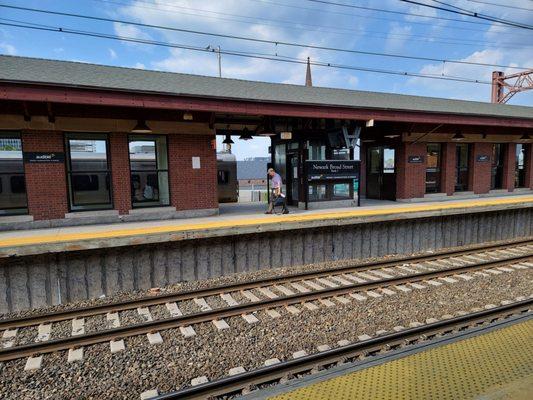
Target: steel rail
(30, 320)
(107, 335)
(274, 373)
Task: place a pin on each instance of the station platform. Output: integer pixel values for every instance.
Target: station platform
(235, 220)
(489, 366)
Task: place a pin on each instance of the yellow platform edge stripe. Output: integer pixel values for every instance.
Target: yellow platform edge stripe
(493, 365)
(117, 233)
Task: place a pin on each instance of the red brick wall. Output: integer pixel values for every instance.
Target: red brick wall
(448, 168)
(410, 178)
(529, 166)
(192, 188)
(46, 184)
(479, 179)
(120, 172)
(509, 166)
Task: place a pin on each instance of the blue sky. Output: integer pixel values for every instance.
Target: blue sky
(299, 21)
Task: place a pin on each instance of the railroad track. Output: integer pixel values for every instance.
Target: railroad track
(271, 374)
(435, 269)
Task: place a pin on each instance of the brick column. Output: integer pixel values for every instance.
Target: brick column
(479, 172)
(46, 183)
(448, 167)
(192, 189)
(509, 166)
(120, 172)
(411, 177)
(529, 166)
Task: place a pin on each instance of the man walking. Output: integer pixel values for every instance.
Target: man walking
(276, 195)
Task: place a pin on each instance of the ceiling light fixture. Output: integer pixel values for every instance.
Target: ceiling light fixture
(228, 140)
(392, 136)
(245, 135)
(458, 136)
(141, 127)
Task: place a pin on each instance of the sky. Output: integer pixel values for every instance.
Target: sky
(299, 21)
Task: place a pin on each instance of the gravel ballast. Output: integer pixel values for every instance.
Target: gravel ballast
(173, 363)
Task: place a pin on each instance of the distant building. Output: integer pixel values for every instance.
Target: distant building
(252, 173)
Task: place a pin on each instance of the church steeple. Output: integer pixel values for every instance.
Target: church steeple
(308, 80)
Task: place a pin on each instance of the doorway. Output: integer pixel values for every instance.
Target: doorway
(293, 179)
(381, 173)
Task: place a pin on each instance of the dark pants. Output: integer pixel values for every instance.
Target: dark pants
(276, 200)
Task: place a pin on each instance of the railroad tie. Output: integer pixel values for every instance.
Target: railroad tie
(220, 324)
(149, 394)
(174, 311)
(230, 301)
(199, 380)
(43, 335)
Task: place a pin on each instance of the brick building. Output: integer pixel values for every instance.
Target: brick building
(82, 143)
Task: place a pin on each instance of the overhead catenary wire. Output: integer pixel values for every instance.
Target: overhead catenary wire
(382, 18)
(292, 25)
(462, 11)
(29, 25)
(264, 41)
(410, 13)
(501, 5)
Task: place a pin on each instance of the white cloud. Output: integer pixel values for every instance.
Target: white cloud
(139, 65)
(398, 35)
(112, 54)
(8, 49)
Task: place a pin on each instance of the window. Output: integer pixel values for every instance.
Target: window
(462, 160)
(12, 183)
(88, 172)
(317, 192)
(149, 171)
(223, 177)
(389, 161)
(317, 150)
(341, 191)
(498, 158)
(433, 168)
(521, 163)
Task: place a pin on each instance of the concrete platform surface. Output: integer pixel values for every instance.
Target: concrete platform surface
(492, 366)
(235, 219)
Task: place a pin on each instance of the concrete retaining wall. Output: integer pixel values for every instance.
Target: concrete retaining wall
(37, 281)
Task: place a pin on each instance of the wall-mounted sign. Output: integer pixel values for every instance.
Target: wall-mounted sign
(415, 159)
(482, 158)
(285, 135)
(40, 157)
(332, 170)
(196, 163)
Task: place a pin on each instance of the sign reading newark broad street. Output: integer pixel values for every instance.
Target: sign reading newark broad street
(332, 169)
(34, 157)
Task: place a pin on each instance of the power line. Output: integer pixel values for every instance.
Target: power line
(40, 27)
(500, 5)
(291, 25)
(468, 13)
(323, 10)
(264, 41)
(397, 12)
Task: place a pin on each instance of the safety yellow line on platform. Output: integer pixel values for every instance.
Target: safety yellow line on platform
(109, 233)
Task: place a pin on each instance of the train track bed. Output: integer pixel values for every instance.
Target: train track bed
(212, 353)
(226, 280)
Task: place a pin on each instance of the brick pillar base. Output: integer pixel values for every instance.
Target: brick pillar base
(448, 166)
(120, 172)
(190, 188)
(509, 166)
(480, 172)
(46, 183)
(411, 177)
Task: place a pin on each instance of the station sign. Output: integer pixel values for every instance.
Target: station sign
(332, 169)
(46, 158)
(482, 158)
(415, 159)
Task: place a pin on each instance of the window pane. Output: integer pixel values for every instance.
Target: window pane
(88, 172)
(520, 168)
(388, 161)
(317, 192)
(341, 191)
(462, 161)
(12, 183)
(149, 175)
(280, 162)
(88, 155)
(317, 150)
(433, 168)
(341, 154)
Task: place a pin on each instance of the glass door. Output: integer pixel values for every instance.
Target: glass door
(381, 173)
(498, 156)
(293, 179)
